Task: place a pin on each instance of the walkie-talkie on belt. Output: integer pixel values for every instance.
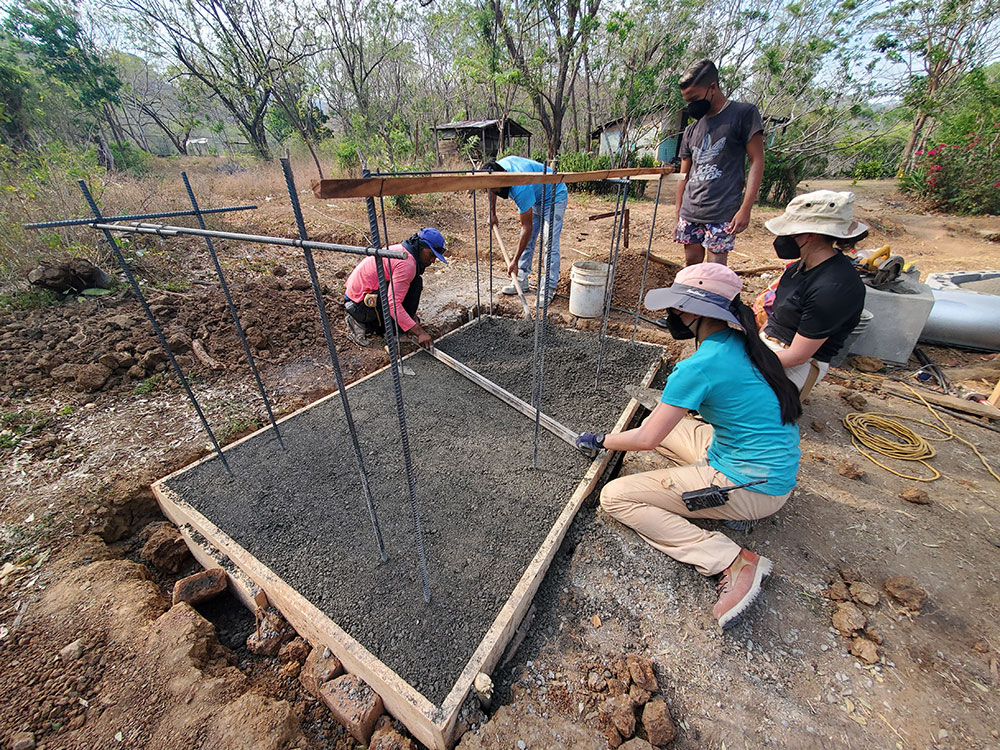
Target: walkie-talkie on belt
(714, 496)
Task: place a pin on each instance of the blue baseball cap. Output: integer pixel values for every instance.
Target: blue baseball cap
(434, 240)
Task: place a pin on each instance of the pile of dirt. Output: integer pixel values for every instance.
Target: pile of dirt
(102, 346)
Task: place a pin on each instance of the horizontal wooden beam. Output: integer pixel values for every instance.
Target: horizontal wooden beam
(373, 187)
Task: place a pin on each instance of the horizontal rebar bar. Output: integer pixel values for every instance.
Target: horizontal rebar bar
(165, 230)
(133, 217)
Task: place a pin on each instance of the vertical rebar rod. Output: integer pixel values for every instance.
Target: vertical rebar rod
(645, 264)
(610, 286)
(394, 366)
(490, 233)
(537, 243)
(232, 309)
(475, 239)
(334, 358)
(392, 286)
(137, 291)
(546, 301)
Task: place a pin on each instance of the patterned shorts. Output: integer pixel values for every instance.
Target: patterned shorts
(713, 237)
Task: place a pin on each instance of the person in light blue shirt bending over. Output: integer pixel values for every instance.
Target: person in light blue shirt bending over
(533, 212)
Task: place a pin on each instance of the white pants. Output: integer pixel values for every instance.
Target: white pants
(806, 375)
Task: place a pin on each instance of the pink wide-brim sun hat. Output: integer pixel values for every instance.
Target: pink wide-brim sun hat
(705, 289)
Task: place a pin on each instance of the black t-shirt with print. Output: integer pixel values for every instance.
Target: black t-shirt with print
(717, 147)
(823, 302)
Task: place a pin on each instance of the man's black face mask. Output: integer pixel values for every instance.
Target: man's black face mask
(677, 328)
(787, 247)
(699, 108)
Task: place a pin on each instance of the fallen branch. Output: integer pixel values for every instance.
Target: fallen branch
(198, 347)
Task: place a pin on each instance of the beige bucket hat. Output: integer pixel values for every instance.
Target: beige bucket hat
(821, 211)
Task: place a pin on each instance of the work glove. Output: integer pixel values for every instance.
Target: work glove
(589, 443)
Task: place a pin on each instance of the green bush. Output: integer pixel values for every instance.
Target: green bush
(962, 177)
(131, 160)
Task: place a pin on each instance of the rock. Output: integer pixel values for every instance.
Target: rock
(617, 687)
(818, 426)
(291, 669)
(92, 377)
(165, 549)
(152, 359)
(865, 650)
(856, 400)
(64, 373)
(866, 364)
(849, 574)
(847, 618)
(906, 591)
(354, 704)
(873, 635)
(122, 322)
(656, 719)
(641, 670)
(636, 743)
(849, 470)
(321, 666)
(838, 592)
(200, 586)
(271, 634)
(619, 710)
(109, 360)
(22, 741)
(913, 495)
(279, 270)
(72, 652)
(637, 696)
(387, 737)
(73, 275)
(299, 284)
(179, 341)
(136, 372)
(596, 682)
(862, 593)
(610, 733)
(296, 650)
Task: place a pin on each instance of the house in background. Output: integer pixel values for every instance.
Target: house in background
(656, 133)
(492, 136)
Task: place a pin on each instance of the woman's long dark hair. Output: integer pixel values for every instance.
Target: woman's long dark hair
(768, 363)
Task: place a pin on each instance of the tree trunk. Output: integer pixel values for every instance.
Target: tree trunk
(907, 160)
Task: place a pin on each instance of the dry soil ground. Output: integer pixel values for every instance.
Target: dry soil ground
(82, 444)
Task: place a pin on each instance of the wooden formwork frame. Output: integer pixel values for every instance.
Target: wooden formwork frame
(256, 585)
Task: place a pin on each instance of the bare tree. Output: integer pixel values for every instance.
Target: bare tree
(235, 50)
(546, 40)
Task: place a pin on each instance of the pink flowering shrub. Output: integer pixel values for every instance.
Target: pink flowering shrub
(962, 177)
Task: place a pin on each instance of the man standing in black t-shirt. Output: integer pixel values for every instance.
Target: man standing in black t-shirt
(712, 205)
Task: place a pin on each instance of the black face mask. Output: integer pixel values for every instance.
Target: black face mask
(787, 247)
(677, 328)
(699, 108)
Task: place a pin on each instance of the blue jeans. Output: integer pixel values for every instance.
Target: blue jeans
(524, 264)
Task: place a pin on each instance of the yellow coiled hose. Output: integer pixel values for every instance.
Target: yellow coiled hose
(886, 435)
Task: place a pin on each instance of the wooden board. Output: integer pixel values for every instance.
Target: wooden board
(434, 726)
(942, 399)
(372, 187)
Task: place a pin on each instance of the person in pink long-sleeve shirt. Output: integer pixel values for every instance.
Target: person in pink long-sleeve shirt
(404, 279)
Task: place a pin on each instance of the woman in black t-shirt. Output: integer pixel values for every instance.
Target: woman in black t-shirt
(820, 297)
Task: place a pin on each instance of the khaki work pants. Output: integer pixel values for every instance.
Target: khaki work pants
(651, 503)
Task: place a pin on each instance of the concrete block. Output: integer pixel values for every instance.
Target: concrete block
(320, 666)
(354, 704)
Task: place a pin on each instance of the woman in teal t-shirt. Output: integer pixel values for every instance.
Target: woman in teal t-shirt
(748, 435)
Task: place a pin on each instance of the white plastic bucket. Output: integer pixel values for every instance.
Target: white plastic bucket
(588, 279)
